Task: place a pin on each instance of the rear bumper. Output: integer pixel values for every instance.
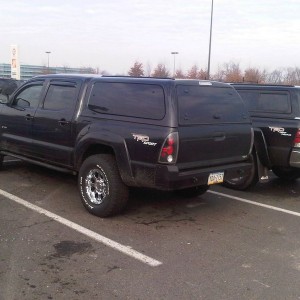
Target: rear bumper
(171, 178)
(295, 158)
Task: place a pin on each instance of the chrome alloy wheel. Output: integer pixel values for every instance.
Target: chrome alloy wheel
(97, 186)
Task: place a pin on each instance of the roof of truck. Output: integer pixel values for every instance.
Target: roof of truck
(133, 79)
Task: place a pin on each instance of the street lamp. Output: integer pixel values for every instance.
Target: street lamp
(209, 51)
(174, 53)
(48, 53)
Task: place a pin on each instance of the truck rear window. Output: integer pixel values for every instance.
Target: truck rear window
(209, 104)
(128, 99)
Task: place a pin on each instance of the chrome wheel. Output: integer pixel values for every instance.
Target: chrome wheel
(102, 191)
(97, 186)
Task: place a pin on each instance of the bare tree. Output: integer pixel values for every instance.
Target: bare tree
(254, 75)
(179, 74)
(275, 77)
(193, 72)
(292, 76)
(202, 74)
(137, 70)
(219, 75)
(161, 71)
(232, 72)
(297, 71)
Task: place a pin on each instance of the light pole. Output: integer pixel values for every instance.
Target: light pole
(174, 53)
(209, 51)
(48, 53)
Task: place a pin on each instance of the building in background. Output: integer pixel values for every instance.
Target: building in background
(29, 71)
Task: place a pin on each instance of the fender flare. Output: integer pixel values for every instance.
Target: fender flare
(104, 139)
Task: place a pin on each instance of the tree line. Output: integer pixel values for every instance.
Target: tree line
(228, 72)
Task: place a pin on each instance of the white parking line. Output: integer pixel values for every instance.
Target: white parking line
(99, 238)
(290, 212)
(12, 160)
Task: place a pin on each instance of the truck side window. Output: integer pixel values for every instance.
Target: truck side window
(128, 99)
(270, 102)
(60, 97)
(29, 97)
(274, 102)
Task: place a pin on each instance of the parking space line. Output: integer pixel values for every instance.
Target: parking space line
(99, 238)
(290, 212)
(11, 160)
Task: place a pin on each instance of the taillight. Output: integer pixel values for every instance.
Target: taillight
(169, 150)
(297, 139)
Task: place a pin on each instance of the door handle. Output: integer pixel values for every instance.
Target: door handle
(29, 117)
(217, 116)
(63, 122)
(219, 136)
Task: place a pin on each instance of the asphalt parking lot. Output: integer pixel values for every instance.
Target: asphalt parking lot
(224, 244)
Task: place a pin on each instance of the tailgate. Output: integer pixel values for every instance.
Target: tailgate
(214, 125)
(213, 145)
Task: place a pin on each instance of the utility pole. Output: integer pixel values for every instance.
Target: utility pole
(48, 53)
(174, 53)
(210, 35)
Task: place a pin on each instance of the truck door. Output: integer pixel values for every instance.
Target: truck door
(17, 117)
(52, 127)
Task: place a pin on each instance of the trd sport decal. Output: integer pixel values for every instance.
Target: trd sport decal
(143, 138)
(280, 130)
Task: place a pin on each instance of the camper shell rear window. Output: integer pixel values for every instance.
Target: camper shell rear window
(209, 104)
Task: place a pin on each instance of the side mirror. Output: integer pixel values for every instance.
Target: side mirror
(4, 99)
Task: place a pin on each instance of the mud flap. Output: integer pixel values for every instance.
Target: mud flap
(262, 171)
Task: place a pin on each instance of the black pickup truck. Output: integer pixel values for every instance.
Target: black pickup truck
(120, 132)
(275, 113)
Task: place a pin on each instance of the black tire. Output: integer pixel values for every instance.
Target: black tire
(102, 190)
(244, 182)
(288, 174)
(193, 191)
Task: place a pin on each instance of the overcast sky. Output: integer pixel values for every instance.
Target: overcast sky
(112, 34)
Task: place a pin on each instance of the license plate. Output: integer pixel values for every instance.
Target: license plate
(214, 178)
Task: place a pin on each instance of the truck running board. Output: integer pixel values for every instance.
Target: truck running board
(39, 163)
